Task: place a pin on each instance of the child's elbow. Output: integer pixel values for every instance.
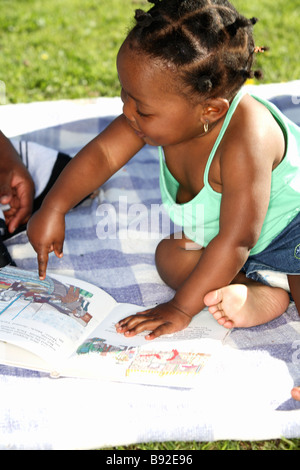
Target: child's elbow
(250, 240)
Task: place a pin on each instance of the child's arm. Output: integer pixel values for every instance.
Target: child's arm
(220, 262)
(88, 170)
(246, 182)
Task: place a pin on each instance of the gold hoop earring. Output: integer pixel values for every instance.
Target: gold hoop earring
(206, 127)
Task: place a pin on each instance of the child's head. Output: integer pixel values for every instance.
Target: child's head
(207, 42)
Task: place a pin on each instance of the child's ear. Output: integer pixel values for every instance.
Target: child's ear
(214, 109)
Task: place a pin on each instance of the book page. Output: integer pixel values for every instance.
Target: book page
(176, 359)
(203, 326)
(67, 327)
(50, 317)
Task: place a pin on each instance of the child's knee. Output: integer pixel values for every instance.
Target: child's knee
(163, 251)
(168, 247)
(175, 261)
(168, 258)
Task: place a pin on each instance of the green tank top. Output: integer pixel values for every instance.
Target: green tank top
(199, 217)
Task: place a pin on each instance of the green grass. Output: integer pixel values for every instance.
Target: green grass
(277, 444)
(61, 49)
(278, 28)
(66, 49)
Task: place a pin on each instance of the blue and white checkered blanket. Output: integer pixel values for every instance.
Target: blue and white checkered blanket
(248, 396)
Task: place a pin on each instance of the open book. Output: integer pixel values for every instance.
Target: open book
(66, 327)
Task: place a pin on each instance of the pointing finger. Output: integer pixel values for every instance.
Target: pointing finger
(42, 263)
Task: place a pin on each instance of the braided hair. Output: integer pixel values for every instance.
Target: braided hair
(208, 41)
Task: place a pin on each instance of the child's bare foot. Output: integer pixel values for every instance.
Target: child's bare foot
(243, 306)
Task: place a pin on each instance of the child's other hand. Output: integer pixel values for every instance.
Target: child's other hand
(46, 233)
(164, 319)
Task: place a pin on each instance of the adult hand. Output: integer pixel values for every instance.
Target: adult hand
(17, 191)
(16, 186)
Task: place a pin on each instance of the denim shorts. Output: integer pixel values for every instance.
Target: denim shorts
(282, 255)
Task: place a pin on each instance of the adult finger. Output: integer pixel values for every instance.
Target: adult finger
(21, 217)
(5, 193)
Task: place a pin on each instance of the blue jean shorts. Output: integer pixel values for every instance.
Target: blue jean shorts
(282, 255)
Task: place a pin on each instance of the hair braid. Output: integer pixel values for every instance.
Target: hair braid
(209, 42)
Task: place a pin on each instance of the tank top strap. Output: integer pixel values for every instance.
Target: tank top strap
(226, 122)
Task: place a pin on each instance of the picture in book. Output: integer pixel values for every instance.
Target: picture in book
(169, 357)
(42, 300)
(44, 313)
(140, 360)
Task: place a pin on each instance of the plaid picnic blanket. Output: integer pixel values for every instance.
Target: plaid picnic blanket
(247, 397)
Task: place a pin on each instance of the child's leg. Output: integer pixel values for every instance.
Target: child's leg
(244, 303)
(294, 283)
(247, 303)
(175, 258)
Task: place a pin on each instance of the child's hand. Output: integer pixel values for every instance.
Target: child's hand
(164, 319)
(46, 233)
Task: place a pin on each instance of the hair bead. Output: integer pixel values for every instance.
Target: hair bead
(258, 74)
(262, 49)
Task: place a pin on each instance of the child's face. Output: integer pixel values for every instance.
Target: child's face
(158, 113)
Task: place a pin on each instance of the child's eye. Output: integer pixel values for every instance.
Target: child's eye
(141, 114)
